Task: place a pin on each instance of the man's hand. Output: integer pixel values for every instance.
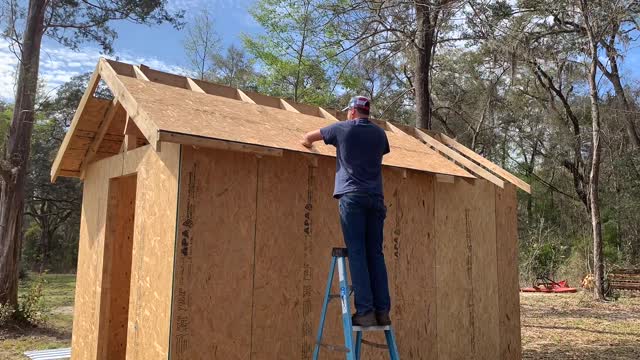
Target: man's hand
(310, 138)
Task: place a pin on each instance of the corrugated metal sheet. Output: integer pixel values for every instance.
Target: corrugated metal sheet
(51, 354)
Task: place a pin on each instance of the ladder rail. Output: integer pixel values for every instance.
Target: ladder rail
(325, 303)
(352, 350)
(346, 311)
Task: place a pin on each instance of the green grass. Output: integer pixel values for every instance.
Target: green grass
(58, 296)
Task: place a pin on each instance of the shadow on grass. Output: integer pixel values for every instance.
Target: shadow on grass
(617, 352)
(580, 329)
(16, 331)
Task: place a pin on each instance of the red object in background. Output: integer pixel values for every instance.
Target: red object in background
(546, 285)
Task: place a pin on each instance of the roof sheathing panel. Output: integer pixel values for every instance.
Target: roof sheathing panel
(182, 111)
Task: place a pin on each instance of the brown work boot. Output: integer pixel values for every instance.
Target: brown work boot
(382, 318)
(368, 319)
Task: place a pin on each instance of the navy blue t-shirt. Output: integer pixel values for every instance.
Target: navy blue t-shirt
(360, 145)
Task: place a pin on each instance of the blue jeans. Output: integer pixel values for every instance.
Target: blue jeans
(362, 218)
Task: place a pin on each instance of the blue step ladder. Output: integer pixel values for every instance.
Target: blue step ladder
(338, 256)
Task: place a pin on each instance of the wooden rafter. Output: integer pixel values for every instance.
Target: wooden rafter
(486, 163)
(139, 74)
(327, 115)
(454, 155)
(244, 97)
(113, 73)
(121, 93)
(102, 131)
(93, 84)
(193, 86)
(286, 106)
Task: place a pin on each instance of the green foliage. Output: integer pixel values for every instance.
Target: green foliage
(6, 113)
(31, 308)
(235, 68)
(292, 59)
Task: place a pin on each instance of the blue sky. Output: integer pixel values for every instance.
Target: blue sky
(161, 47)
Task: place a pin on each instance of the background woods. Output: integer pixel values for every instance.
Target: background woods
(536, 86)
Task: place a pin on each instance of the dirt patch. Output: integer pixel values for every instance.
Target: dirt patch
(573, 326)
(63, 310)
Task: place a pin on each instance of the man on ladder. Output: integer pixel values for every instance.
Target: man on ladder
(360, 145)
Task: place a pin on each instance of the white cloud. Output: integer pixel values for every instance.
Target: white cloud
(8, 64)
(59, 64)
(217, 7)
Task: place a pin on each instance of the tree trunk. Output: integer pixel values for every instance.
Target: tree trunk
(614, 78)
(17, 155)
(594, 176)
(423, 47)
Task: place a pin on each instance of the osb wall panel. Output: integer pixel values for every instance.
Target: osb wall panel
(285, 198)
(91, 247)
(466, 283)
(153, 251)
(412, 248)
(254, 252)
(112, 343)
(507, 265)
(213, 275)
(89, 282)
(152, 286)
(483, 270)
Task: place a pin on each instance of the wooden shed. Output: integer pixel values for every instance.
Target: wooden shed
(207, 228)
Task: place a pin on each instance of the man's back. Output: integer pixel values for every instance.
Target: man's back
(360, 145)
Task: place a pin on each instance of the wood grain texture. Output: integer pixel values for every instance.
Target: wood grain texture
(486, 163)
(71, 154)
(453, 280)
(86, 98)
(116, 274)
(482, 222)
(454, 155)
(153, 250)
(278, 289)
(91, 246)
(467, 315)
(413, 248)
(187, 112)
(507, 269)
(213, 275)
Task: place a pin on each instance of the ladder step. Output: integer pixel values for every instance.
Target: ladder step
(376, 345)
(336, 348)
(372, 328)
